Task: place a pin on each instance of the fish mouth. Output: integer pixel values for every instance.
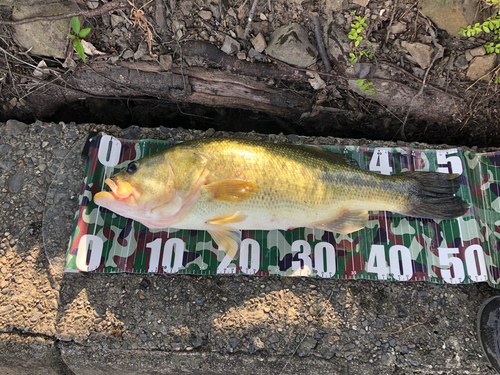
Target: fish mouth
(120, 190)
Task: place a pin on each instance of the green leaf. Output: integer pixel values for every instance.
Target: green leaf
(71, 36)
(79, 48)
(75, 24)
(83, 33)
(356, 43)
(486, 29)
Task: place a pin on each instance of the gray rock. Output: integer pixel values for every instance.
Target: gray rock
(306, 347)
(5, 308)
(259, 43)
(233, 341)
(254, 53)
(258, 344)
(52, 130)
(197, 341)
(398, 27)
(461, 62)
(116, 20)
(362, 69)
(141, 51)
(363, 3)
(36, 316)
(132, 132)
(54, 33)
(15, 127)
(128, 54)
(6, 165)
(274, 339)
(335, 6)
(16, 182)
(4, 148)
(290, 44)
(205, 14)
(451, 15)
(480, 66)
(60, 153)
(422, 53)
(230, 46)
(478, 51)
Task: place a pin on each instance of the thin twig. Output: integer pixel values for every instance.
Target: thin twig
(14, 57)
(391, 64)
(319, 40)
(84, 13)
(250, 17)
(390, 22)
(480, 78)
(10, 72)
(419, 321)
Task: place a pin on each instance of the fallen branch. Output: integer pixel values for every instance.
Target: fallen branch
(119, 4)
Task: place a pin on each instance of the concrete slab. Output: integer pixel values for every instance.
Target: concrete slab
(123, 323)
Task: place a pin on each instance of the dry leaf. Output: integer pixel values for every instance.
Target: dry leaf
(90, 49)
(316, 82)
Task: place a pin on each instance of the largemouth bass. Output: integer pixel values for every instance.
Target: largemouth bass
(226, 185)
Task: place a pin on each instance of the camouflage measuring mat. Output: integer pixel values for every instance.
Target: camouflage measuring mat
(391, 247)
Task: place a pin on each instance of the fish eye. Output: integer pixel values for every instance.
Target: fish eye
(132, 168)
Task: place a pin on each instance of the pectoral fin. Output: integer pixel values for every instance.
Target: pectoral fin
(347, 222)
(228, 239)
(232, 190)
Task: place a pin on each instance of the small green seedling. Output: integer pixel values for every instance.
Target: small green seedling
(353, 58)
(356, 29)
(365, 86)
(79, 34)
(491, 25)
(492, 48)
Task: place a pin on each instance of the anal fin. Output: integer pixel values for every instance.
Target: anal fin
(227, 238)
(347, 222)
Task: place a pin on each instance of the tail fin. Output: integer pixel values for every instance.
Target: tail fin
(433, 195)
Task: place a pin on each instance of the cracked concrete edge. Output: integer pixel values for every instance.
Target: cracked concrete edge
(194, 363)
(26, 354)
